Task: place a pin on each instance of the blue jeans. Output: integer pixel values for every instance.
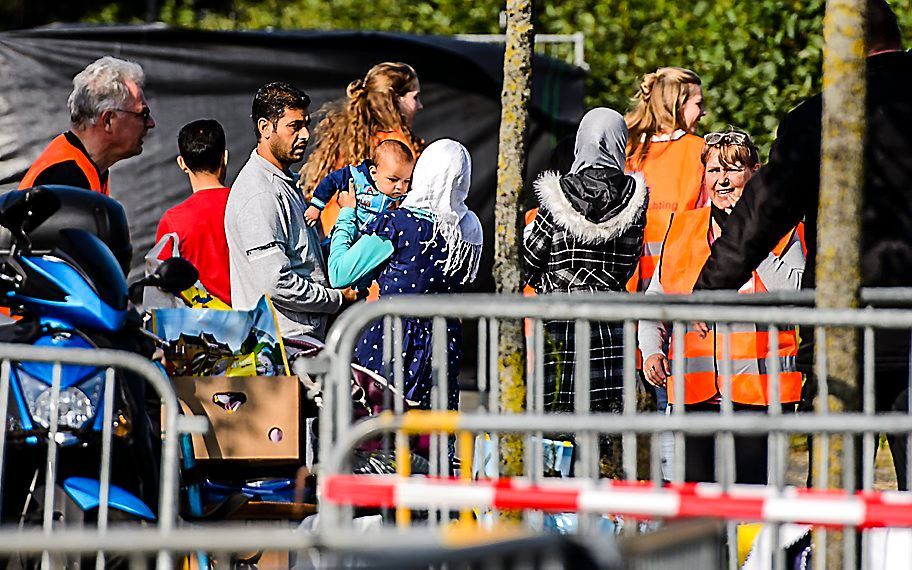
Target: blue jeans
(661, 399)
(666, 439)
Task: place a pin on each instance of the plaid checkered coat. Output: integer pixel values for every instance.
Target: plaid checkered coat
(586, 237)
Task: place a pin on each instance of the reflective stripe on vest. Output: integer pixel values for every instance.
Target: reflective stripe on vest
(685, 251)
(60, 150)
(674, 176)
(750, 369)
(648, 262)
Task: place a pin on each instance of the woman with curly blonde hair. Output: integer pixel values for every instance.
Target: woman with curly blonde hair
(379, 107)
(662, 119)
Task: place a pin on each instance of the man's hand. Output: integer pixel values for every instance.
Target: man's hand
(349, 295)
(702, 328)
(657, 370)
(347, 197)
(312, 215)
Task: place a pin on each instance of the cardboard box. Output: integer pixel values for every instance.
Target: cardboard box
(250, 417)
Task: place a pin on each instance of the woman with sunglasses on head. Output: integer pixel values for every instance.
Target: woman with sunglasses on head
(730, 159)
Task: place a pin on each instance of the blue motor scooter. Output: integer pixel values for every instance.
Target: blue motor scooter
(68, 290)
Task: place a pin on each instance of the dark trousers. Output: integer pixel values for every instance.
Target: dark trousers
(891, 394)
(899, 443)
(751, 459)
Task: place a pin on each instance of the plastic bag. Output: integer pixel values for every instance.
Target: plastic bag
(196, 297)
(214, 342)
(557, 457)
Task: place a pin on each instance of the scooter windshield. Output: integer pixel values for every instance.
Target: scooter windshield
(98, 265)
(21, 211)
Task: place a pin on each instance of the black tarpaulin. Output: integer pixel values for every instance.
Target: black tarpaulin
(193, 74)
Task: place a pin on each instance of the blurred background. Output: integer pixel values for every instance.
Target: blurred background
(757, 58)
(205, 58)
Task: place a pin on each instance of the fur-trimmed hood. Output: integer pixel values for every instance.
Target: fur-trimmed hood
(595, 205)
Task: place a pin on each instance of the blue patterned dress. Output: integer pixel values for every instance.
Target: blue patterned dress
(415, 268)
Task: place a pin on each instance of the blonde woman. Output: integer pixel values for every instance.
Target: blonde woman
(381, 106)
(662, 145)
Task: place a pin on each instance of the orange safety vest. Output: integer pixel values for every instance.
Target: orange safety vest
(683, 255)
(674, 176)
(60, 150)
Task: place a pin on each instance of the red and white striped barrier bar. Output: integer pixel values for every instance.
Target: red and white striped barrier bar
(633, 499)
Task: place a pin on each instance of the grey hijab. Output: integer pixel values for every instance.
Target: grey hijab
(601, 141)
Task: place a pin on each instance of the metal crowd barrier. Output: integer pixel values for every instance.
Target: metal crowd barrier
(440, 500)
(12, 537)
(159, 543)
(388, 550)
(776, 504)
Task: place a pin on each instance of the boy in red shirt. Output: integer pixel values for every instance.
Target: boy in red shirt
(199, 221)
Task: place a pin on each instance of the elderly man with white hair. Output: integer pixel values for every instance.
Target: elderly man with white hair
(109, 118)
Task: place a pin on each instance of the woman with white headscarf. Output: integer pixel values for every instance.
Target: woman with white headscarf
(431, 244)
(587, 237)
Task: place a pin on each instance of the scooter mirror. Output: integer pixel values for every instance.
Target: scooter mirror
(174, 275)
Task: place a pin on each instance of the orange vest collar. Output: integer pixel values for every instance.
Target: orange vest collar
(61, 150)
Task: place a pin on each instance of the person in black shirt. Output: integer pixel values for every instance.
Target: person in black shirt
(787, 190)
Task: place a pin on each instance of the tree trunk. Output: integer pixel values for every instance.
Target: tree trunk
(839, 237)
(511, 162)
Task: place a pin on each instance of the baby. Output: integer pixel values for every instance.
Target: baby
(377, 184)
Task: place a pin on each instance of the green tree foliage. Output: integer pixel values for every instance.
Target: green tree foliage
(22, 14)
(757, 59)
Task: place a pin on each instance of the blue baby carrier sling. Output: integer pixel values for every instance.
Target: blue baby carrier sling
(369, 201)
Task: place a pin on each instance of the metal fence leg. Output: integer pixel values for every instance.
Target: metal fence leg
(655, 460)
(403, 451)
(849, 546)
(105, 471)
(629, 443)
(775, 440)
(440, 364)
(725, 445)
(909, 435)
(535, 402)
(677, 371)
(386, 369)
(587, 462)
(821, 441)
(869, 446)
(494, 400)
(50, 475)
(535, 393)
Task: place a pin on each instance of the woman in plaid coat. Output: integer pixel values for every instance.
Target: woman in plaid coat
(587, 237)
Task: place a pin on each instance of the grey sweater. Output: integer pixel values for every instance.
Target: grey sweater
(273, 252)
